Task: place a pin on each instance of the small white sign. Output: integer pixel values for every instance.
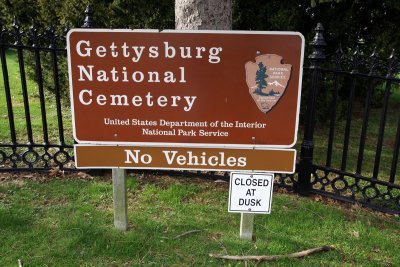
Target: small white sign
(251, 192)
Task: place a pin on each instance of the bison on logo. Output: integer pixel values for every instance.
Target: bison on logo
(267, 79)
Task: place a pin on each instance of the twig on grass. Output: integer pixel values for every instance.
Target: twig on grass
(260, 259)
(20, 263)
(186, 233)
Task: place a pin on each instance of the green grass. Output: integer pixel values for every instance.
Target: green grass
(69, 222)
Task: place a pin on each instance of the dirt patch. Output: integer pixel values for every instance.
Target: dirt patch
(354, 210)
(21, 177)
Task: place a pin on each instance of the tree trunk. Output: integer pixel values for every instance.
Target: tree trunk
(203, 14)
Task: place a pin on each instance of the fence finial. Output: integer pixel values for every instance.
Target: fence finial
(33, 33)
(15, 26)
(33, 25)
(374, 53)
(15, 22)
(338, 57)
(392, 64)
(356, 60)
(89, 22)
(373, 61)
(17, 31)
(318, 43)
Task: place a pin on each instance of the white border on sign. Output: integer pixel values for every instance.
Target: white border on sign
(252, 173)
(238, 146)
(188, 169)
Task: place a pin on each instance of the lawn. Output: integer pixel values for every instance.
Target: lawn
(68, 221)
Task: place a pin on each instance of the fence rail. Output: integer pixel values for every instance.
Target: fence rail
(351, 131)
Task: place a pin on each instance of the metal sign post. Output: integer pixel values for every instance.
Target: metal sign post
(250, 193)
(120, 199)
(246, 226)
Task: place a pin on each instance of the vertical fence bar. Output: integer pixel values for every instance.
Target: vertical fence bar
(354, 71)
(367, 109)
(348, 125)
(339, 54)
(391, 67)
(364, 128)
(7, 89)
(395, 154)
(53, 52)
(25, 96)
(332, 123)
(39, 77)
(381, 131)
(307, 146)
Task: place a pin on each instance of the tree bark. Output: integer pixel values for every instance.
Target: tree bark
(203, 14)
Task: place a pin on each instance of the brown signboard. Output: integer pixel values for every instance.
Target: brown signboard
(210, 89)
(183, 158)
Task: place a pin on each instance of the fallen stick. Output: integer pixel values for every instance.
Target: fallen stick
(186, 233)
(260, 259)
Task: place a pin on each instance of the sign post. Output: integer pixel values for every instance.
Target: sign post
(120, 199)
(186, 100)
(249, 194)
(246, 226)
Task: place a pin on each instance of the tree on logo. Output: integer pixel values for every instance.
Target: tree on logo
(261, 75)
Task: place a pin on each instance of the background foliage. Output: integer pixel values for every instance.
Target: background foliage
(366, 22)
(108, 13)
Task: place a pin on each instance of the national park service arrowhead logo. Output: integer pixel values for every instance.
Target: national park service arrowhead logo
(267, 79)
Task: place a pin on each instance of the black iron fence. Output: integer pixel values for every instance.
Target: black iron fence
(29, 146)
(351, 129)
(354, 157)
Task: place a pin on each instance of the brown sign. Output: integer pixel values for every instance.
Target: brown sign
(214, 89)
(183, 158)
